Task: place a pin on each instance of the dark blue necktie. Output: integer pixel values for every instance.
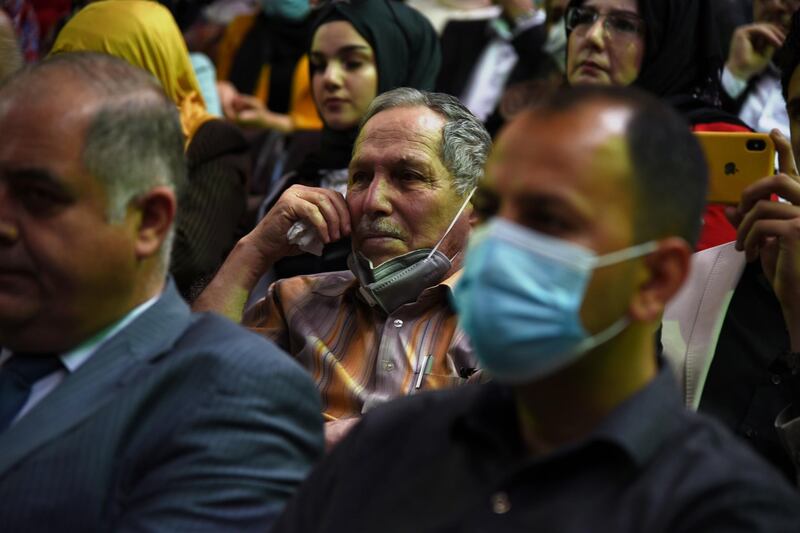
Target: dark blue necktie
(17, 376)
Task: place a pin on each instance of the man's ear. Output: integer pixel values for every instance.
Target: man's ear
(474, 217)
(668, 268)
(156, 212)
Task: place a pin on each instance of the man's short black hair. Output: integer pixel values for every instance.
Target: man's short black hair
(670, 174)
(790, 54)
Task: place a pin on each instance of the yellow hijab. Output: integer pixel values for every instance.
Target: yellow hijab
(144, 34)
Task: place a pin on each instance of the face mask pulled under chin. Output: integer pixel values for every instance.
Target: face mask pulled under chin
(519, 300)
(402, 279)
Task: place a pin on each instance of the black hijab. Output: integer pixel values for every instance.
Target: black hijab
(682, 57)
(406, 51)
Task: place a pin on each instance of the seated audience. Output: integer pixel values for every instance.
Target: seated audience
(10, 56)
(583, 428)
(384, 328)
(751, 81)
(120, 410)
(144, 34)
(480, 58)
(729, 15)
(440, 12)
(733, 335)
(261, 63)
(666, 47)
(359, 49)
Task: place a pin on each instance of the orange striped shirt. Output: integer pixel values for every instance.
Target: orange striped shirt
(356, 353)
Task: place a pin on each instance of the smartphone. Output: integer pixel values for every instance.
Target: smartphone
(735, 160)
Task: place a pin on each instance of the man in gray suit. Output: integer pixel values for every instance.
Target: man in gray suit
(119, 408)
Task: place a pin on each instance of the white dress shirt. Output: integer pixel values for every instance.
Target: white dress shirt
(491, 72)
(764, 109)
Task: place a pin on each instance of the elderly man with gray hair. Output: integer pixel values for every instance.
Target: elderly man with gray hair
(120, 410)
(385, 328)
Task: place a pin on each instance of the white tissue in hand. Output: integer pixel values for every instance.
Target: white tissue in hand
(305, 236)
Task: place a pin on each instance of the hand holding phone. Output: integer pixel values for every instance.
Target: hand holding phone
(735, 161)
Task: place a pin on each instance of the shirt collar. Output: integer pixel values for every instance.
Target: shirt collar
(76, 357)
(638, 427)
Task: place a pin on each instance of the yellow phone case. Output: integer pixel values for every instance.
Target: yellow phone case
(735, 161)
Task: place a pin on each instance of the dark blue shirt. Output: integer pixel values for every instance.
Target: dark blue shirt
(455, 461)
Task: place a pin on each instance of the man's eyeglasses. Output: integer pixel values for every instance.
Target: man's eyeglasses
(622, 25)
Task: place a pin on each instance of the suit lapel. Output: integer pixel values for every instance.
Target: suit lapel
(97, 381)
(693, 320)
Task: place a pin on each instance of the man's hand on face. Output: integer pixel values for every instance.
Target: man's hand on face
(323, 209)
(752, 48)
(770, 230)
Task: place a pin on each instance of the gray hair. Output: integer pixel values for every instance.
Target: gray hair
(134, 140)
(10, 56)
(465, 141)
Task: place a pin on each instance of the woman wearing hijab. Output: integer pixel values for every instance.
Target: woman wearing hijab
(359, 49)
(144, 34)
(669, 48)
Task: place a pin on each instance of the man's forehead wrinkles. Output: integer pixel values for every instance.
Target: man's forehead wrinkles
(383, 137)
(406, 156)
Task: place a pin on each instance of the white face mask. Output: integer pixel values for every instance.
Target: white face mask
(556, 44)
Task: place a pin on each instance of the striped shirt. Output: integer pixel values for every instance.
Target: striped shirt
(358, 355)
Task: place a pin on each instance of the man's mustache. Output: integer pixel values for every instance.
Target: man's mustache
(378, 227)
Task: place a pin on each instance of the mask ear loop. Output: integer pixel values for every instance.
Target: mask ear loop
(453, 223)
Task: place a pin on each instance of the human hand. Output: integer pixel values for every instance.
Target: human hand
(516, 8)
(770, 231)
(752, 48)
(227, 95)
(251, 111)
(336, 430)
(247, 108)
(324, 209)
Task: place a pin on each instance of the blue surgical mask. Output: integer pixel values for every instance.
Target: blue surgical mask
(288, 9)
(519, 300)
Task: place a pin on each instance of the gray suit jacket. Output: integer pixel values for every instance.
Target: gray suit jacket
(181, 422)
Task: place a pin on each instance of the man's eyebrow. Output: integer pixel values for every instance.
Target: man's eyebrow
(535, 202)
(36, 174)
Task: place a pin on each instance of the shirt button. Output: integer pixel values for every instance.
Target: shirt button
(388, 365)
(776, 379)
(500, 503)
(398, 323)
